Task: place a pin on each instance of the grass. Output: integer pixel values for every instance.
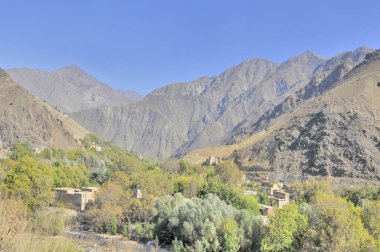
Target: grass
(19, 233)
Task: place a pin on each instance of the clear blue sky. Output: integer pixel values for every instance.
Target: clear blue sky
(143, 44)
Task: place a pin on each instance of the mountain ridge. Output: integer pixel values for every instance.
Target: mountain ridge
(26, 118)
(336, 135)
(70, 88)
(204, 112)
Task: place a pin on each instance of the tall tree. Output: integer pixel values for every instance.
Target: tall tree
(29, 180)
(335, 225)
(285, 230)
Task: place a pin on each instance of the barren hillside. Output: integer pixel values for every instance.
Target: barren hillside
(26, 118)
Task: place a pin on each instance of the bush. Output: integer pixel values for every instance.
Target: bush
(113, 226)
(125, 231)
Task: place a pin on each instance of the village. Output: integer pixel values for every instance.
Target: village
(78, 198)
(277, 196)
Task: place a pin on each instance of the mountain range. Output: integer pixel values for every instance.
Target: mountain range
(70, 89)
(336, 134)
(175, 119)
(307, 116)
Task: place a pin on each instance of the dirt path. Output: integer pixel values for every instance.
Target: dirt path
(94, 242)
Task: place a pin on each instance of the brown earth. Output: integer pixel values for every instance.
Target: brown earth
(26, 118)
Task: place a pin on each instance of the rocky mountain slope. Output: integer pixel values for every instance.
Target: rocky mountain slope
(70, 89)
(26, 118)
(333, 71)
(336, 134)
(180, 117)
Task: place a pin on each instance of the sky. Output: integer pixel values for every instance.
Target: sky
(142, 44)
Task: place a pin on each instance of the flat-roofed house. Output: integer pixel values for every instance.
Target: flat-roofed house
(75, 198)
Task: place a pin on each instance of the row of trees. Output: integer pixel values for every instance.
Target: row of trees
(328, 223)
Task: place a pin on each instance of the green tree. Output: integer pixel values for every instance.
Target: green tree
(149, 230)
(307, 191)
(185, 168)
(29, 180)
(371, 218)
(251, 228)
(229, 173)
(198, 223)
(20, 150)
(178, 246)
(139, 230)
(125, 231)
(71, 176)
(231, 237)
(232, 196)
(113, 225)
(335, 225)
(46, 154)
(285, 230)
(358, 194)
(187, 185)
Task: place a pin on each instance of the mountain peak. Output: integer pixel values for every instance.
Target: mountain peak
(305, 56)
(70, 68)
(363, 49)
(70, 88)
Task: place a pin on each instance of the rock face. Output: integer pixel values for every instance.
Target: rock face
(323, 80)
(70, 89)
(180, 117)
(336, 134)
(26, 118)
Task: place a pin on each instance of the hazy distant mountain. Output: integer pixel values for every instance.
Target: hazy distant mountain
(180, 117)
(336, 134)
(26, 118)
(70, 89)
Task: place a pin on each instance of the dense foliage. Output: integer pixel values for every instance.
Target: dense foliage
(201, 224)
(285, 230)
(187, 207)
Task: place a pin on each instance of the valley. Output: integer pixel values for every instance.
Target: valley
(190, 126)
(245, 153)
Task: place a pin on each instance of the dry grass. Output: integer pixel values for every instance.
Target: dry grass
(18, 233)
(200, 155)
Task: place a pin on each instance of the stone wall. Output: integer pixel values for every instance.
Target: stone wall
(75, 198)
